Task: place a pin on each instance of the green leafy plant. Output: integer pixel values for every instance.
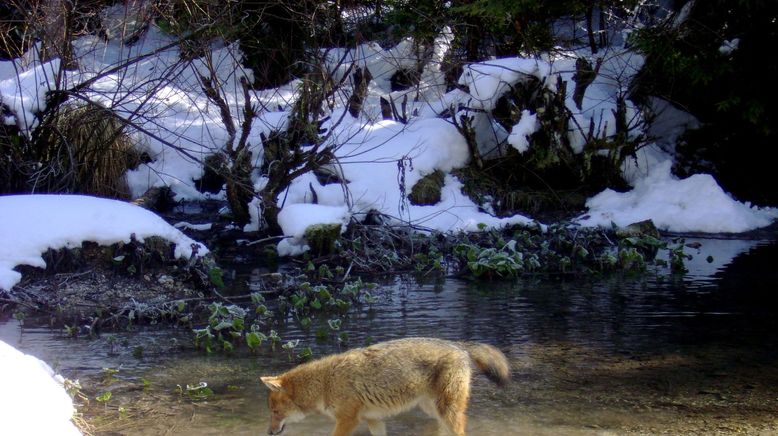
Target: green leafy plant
(198, 392)
(305, 355)
(70, 331)
(104, 398)
(489, 263)
(631, 259)
(109, 375)
(289, 346)
(254, 337)
(217, 277)
(73, 388)
(274, 339)
(335, 323)
(20, 316)
(678, 257)
(226, 325)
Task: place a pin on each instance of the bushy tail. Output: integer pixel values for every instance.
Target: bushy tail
(490, 361)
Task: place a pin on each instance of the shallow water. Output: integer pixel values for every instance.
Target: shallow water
(691, 354)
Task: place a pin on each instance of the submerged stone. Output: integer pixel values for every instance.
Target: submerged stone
(639, 228)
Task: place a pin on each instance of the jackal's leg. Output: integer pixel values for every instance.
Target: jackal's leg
(453, 423)
(345, 424)
(451, 403)
(376, 427)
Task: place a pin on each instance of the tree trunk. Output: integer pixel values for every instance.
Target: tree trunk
(56, 32)
(603, 26)
(362, 79)
(590, 26)
(239, 187)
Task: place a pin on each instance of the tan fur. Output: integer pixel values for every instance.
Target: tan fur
(382, 380)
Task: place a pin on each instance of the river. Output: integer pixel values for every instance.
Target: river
(649, 354)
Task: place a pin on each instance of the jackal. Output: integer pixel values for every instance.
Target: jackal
(382, 380)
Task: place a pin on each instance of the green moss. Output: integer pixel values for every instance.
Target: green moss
(322, 237)
(501, 186)
(427, 190)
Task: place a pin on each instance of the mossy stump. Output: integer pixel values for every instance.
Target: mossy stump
(427, 190)
(322, 237)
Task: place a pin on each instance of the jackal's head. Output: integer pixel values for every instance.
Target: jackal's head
(283, 410)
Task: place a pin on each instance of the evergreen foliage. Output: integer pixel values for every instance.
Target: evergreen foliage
(697, 67)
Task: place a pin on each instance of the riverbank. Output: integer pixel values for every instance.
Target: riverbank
(92, 288)
(110, 287)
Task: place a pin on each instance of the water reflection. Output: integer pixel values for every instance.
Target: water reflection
(691, 354)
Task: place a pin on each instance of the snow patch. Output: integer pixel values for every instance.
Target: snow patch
(527, 125)
(34, 401)
(728, 46)
(487, 81)
(25, 94)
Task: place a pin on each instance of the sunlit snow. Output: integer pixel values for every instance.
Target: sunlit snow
(378, 161)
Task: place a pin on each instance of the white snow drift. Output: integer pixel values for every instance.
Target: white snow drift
(31, 224)
(693, 204)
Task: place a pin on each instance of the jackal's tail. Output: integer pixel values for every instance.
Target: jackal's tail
(490, 361)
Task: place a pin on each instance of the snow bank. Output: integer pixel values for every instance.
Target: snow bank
(25, 94)
(295, 218)
(379, 161)
(594, 115)
(618, 66)
(31, 224)
(423, 99)
(694, 204)
(34, 401)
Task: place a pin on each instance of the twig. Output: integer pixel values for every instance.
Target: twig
(348, 271)
(269, 239)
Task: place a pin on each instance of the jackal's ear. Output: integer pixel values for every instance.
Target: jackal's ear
(273, 383)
